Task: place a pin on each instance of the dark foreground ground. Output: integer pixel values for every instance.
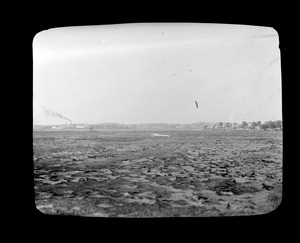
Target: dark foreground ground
(130, 174)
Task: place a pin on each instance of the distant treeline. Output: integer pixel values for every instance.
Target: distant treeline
(269, 125)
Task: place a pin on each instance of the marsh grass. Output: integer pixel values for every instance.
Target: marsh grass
(189, 148)
(130, 210)
(275, 197)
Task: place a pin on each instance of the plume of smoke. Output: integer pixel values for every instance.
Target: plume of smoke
(56, 114)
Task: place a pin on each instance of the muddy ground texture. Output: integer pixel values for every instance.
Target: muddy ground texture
(130, 174)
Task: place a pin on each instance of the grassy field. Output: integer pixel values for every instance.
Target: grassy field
(130, 174)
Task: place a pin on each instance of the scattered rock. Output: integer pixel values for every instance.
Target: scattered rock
(267, 186)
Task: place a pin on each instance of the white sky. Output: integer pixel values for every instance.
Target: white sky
(150, 73)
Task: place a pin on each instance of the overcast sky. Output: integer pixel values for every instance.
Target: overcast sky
(152, 73)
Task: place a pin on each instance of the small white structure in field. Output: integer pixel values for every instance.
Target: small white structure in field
(159, 135)
(57, 127)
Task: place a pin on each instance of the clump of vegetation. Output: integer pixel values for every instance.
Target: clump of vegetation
(91, 128)
(275, 197)
(232, 186)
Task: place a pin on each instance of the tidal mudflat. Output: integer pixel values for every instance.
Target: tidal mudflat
(131, 174)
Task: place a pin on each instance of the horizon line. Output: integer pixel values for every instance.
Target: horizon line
(165, 123)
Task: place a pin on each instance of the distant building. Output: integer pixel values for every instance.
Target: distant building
(80, 126)
(56, 127)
